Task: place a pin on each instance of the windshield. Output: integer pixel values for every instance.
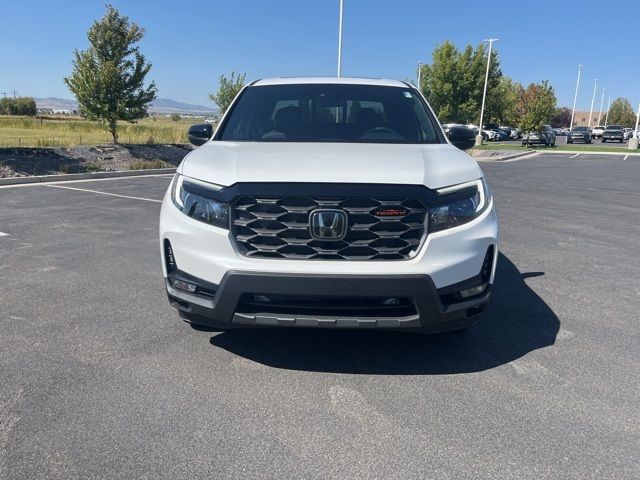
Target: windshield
(330, 113)
(614, 127)
(579, 129)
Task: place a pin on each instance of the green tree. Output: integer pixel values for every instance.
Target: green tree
(536, 105)
(454, 81)
(18, 106)
(502, 105)
(228, 88)
(621, 113)
(108, 78)
(175, 117)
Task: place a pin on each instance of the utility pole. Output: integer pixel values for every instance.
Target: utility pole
(601, 103)
(606, 121)
(575, 97)
(419, 74)
(593, 99)
(340, 40)
(484, 93)
(4, 94)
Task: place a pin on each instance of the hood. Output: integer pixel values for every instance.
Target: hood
(226, 163)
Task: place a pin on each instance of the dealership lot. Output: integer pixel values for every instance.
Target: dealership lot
(100, 379)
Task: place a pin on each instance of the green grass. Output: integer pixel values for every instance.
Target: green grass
(62, 131)
(556, 148)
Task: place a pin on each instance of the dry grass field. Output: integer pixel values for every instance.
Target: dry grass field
(70, 131)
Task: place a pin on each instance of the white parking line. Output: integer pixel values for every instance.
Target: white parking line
(574, 156)
(105, 193)
(625, 157)
(2, 234)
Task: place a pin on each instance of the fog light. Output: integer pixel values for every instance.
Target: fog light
(184, 286)
(470, 292)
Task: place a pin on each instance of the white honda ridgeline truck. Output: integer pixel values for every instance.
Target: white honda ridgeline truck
(332, 203)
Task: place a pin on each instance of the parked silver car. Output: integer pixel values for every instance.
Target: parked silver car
(545, 137)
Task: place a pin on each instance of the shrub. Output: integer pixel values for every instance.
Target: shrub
(147, 164)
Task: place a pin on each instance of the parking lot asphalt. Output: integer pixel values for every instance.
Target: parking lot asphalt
(100, 379)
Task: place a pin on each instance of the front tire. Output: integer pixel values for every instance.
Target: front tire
(604, 141)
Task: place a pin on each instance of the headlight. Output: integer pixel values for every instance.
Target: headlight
(462, 210)
(193, 198)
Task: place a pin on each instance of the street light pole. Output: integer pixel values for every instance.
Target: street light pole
(593, 99)
(575, 97)
(340, 41)
(601, 103)
(484, 93)
(606, 121)
(419, 74)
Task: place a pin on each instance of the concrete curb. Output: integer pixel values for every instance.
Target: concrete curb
(501, 159)
(83, 176)
(631, 153)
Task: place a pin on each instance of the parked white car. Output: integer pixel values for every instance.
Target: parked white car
(597, 131)
(627, 133)
(333, 203)
(491, 135)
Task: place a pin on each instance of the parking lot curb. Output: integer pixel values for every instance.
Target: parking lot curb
(83, 176)
(514, 155)
(501, 159)
(592, 152)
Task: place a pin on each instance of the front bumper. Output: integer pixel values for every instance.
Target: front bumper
(426, 309)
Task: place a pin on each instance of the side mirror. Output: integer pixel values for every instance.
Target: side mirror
(462, 137)
(200, 134)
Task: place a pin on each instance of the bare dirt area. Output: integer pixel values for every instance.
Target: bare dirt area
(21, 162)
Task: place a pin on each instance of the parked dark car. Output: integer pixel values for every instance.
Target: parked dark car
(579, 134)
(502, 134)
(613, 133)
(546, 136)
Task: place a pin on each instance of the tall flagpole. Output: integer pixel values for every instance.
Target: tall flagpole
(606, 121)
(593, 99)
(484, 93)
(601, 104)
(340, 40)
(575, 97)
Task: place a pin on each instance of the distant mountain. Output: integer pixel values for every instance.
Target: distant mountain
(52, 102)
(159, 105)
(166, 105)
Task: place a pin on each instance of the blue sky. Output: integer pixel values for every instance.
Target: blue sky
(191, 43)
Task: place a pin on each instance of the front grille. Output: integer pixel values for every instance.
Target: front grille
(278, 227)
